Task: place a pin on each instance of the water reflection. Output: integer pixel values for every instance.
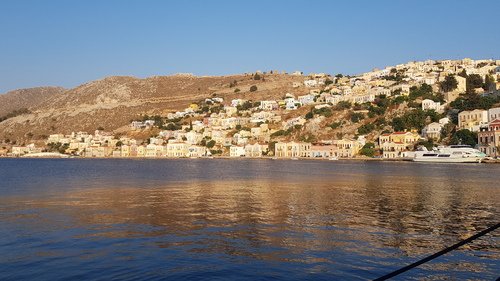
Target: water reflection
(348, 220)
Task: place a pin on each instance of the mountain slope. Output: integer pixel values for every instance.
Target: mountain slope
(26, 98)
(111, 102)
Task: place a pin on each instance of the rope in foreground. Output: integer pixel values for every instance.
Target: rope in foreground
(440, 253)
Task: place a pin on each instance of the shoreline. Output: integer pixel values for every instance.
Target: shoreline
(366, 159)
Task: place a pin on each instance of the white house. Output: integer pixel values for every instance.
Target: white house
(428, 104)
(310, 83)
(236, 151)
(493, 113)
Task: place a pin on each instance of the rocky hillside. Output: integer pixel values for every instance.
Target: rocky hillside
(26, 98)
(113, 101)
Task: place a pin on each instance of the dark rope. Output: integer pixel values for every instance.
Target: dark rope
(440, 253)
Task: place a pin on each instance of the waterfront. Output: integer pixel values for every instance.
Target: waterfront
(244, 219)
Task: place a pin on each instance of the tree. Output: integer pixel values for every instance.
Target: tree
(397, 124)
(488, 81)
(429, 144)
(366, 128)
(356, 117)
(486, 102)
(449, 84)
(447, 129)
(256, 76)
(414, 119)
(368, 149)
(343, 105)
(211, 144)
(465, 137)
(473, 81)
(253, 88)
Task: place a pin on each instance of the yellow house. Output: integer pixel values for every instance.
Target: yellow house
(393, 149)
(193, 106)
(141, 151)
(408, 138)
(177, 149)
(125, 149)
(287, 149)
(348, 147)
(19, 150)
(472, 120)
(395, 143)
(305, 149)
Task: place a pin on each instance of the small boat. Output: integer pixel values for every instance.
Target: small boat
(294, 158)
(450, 154)
(333, 158)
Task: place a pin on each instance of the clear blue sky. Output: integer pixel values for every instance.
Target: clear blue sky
(68, 43)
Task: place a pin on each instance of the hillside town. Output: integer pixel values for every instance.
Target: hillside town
(394, 111)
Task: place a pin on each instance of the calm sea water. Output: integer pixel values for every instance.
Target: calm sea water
(244, 219)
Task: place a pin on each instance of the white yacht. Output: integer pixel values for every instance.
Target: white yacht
(451, 154)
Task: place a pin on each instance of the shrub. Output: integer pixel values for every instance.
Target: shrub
(356, 117)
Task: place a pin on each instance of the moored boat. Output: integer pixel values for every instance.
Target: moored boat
(450, 154)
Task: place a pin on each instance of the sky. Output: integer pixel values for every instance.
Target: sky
(69, 43)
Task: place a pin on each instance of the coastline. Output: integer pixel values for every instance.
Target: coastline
(366, 159)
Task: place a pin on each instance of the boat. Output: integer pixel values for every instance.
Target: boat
(294, 158)
(333, 158)
(450, 154)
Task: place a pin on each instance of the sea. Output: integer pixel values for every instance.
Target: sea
(245, 219)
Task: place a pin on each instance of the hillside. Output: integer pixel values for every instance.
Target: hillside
(26, 98)
(113, 101)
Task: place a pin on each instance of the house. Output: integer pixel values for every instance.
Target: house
(432, 131)
(156, 150)
(54, 138)
(287, 149)
(177, 149)
(256, 149)
(291, 103)
(393, 149)
(197, 151)
(408, 138)
(310, 83)
(269, 105)
(18, 150)
(348, 148)
(472, 120)
(141, 151)
(493, 113)
(489, 139)
(133, 150)
(125, 150)
(104, 151)
(323, 150)
(304, 149)
(395, 144)
(237, 151)
(305, 99)
(428, 104)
